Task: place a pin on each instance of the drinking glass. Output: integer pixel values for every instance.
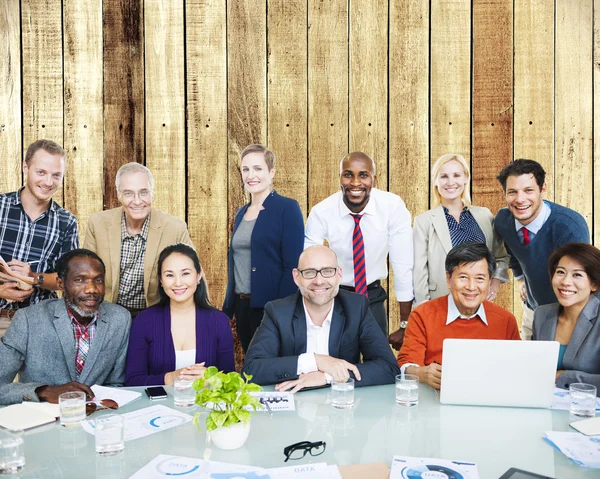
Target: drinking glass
(342, 393)
(12, 453)
(184, 394)
(110, 434)
(407, 389)
(72, 408)
(583, 400)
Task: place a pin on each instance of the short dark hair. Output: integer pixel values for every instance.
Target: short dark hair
(585, 254)
(522, 166)
(62, 265)
(47, 145)
(470, 252)
(201, 298)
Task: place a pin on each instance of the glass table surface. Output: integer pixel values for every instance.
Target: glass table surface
(374, 430)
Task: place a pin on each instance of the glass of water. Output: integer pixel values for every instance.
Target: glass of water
(12, 453)
(583, 400)
(184, 394)
(407, 390)
(72, 408)
(342, 393)
(110, 434)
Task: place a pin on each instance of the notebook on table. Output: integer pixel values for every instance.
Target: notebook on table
(488, 372)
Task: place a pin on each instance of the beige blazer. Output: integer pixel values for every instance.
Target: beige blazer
(103, 236)
(432, 243)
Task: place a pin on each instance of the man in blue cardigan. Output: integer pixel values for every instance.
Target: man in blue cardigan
(532, 228)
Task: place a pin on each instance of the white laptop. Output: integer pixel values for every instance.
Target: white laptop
(489, 372)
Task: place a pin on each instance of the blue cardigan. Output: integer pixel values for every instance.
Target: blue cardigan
(563, 226)
(151, 353)
(276, 243)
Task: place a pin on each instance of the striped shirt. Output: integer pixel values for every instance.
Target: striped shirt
(131, 283)
(466, 230)
(39, 243)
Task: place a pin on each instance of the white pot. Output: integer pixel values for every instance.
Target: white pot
(230, 437)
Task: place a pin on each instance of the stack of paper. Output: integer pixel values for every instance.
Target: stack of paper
(583, 450)
(562, 400)
(122, 396)
(404, 467)
(27, 415)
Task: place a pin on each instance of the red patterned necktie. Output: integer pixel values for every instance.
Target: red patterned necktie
(526, 238)
(358, 254)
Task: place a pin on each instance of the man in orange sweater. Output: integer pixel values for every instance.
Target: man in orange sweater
(464, 313)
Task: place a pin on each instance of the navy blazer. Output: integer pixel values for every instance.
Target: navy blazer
(281, 337)
(276, 243)
(582, 356)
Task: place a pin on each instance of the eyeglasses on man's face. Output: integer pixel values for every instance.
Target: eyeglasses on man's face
(312, 273)
(300, 449)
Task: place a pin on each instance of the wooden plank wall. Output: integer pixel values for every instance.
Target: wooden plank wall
(184, 85)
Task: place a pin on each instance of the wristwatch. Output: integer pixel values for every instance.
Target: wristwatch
(403, 324)
(40, 279)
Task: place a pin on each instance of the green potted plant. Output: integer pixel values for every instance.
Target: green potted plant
(228, 397)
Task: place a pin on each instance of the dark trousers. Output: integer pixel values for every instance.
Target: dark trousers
(247, 320)
(377, 297)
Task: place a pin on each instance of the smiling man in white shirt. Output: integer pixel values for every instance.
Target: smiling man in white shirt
(319, 333)
(362, 224)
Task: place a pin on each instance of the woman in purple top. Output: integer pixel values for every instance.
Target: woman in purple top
(183, 334)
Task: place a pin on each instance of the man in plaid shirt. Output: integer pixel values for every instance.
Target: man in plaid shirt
(34, 230)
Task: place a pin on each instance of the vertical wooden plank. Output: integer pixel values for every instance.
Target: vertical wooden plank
(596, 132)
(533, 135)
(368, 89)
(83, 108)
(165, 103)
(492, 106)
(450, 78)
(247, 88)
(287, 101)
(327, 95)
(123, 90)
(10, 96)
(408, 110)
(206, 47)
(42, 73)
(573, 96)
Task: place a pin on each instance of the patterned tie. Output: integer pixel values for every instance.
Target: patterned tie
(358, 253)
(83, 347)
(526, 238)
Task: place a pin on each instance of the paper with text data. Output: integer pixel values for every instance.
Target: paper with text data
(149, 420)
(562, 400)
(176, 466)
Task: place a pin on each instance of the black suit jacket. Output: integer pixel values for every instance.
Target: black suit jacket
(273, 353)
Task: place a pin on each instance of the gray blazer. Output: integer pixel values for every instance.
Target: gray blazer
(40, 347)
(431, 246)
(582, 356)
(281, 337)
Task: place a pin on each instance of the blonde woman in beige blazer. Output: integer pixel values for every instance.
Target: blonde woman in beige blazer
(431, 231)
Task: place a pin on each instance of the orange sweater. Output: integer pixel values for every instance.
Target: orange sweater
(427, 330)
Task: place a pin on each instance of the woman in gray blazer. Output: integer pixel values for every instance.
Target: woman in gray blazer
(453, 221)
(573, 321)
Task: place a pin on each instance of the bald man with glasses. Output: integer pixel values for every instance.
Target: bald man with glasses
(319, 333)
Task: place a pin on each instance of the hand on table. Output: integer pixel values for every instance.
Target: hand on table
(336, 368)
(397, 338)
(51, 393)
(190, 373)
(316, 378)
(431, 375)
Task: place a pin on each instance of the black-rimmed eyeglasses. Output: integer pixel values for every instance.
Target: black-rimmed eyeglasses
(312, 273)
(299, 450)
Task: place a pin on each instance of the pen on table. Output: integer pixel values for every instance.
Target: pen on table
(266, 404)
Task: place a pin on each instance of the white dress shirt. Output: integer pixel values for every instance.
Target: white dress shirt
(385, 226)
(317, 342)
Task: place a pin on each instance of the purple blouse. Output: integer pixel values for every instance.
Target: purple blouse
(151, 353)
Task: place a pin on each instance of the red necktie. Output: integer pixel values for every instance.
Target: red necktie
(358, 254)
(526, 238)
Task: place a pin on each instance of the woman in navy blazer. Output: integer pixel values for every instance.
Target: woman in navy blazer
(267, 239)
(183, 334)
(575, 320)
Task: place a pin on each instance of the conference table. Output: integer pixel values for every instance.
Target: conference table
(374, 430)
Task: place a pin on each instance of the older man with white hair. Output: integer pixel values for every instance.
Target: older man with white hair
(130, 238)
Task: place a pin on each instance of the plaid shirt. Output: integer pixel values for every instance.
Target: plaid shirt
(133, 250)
(84, 335)
(39, 243)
